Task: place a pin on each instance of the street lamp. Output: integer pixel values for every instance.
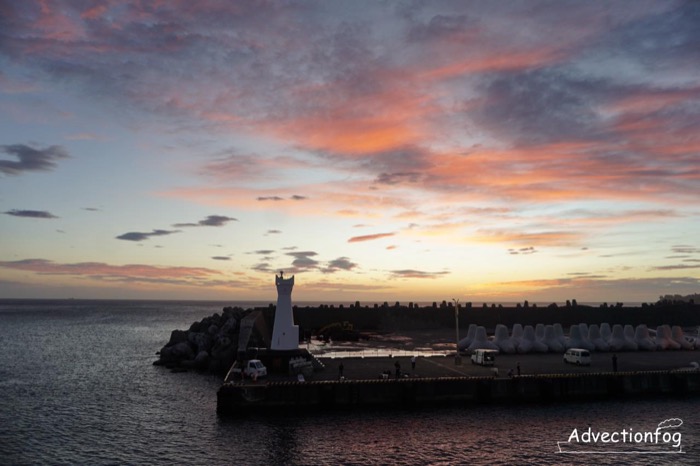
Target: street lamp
(458, 358)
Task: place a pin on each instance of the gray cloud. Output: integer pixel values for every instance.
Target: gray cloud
(295, 197)
(411, 273)
(221, 258)
(30, 158)
(341, 263)
(210, 221)
(303, 260)
(685, 249)
(440, 27)
(30, 213)
(539, 106)
(400, 177)
(524, 251)
(676, 267)
(235, 166)
(139, 236)
(264, 267)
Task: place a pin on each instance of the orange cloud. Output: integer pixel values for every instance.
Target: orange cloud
(541, 238)
(107, 272)
(391, 116)
(358, 239)
(494, 62)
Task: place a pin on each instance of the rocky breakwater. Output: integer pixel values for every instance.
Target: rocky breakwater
(209, 345)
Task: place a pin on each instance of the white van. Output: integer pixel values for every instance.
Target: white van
(253, 369)
(578, 356)
(484, 357)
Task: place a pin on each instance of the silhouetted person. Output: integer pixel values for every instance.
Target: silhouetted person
(413, 363)
(340, 370)
(517, 367)
(398, 369)
(614, 361)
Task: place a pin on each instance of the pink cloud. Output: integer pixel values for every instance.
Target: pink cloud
(359, 239)
(529, 239)
(126, 273)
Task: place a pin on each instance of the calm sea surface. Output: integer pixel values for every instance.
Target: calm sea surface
(77, 386)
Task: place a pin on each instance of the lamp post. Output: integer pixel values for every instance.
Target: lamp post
(458, 358)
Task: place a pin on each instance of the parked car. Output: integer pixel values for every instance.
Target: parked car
(254, 369)
(578, 356)
(484, 357)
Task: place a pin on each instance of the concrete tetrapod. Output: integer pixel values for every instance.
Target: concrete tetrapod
(559, 332)
(664, 340)
(517, 335)
(630, 341)
(678, 336)
(466, 341)
(642, 338)
(503, 340)
(552, 341)
(576, 340)
(536, 345)
(481, 341)
(595, 338)
(539, 332)
(617, 340)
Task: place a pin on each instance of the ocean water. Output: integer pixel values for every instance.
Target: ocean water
(77, 386)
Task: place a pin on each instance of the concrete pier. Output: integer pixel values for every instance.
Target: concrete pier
(274, 396)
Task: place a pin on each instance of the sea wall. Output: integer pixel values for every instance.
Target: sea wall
(238, 398)
(406, 316)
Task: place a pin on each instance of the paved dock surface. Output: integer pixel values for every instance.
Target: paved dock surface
(530, 364)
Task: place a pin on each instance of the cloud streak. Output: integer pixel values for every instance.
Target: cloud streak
(210, 221)
(133, 273)
(30, 158)
(141, 236)
(42, 214)
(363, 238)
(421, 274)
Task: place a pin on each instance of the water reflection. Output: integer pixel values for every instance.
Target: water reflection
(477, 435)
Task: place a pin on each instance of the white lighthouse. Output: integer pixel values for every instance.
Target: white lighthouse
(285, 335)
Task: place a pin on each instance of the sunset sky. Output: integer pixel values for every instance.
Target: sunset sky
(377, 150)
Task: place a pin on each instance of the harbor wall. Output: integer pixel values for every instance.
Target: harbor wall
(399, 317)
(242, 398)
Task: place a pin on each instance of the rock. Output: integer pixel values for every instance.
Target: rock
(201, 361)
(210, 344)
(181, 351)
(177, 336)
(201, 341)
(229, 326)
(195, 327)
(221, 343)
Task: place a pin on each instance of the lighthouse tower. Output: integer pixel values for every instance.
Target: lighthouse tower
(285, 335)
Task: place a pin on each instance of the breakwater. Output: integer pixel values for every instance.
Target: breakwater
(407, 316)
(242, 398)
